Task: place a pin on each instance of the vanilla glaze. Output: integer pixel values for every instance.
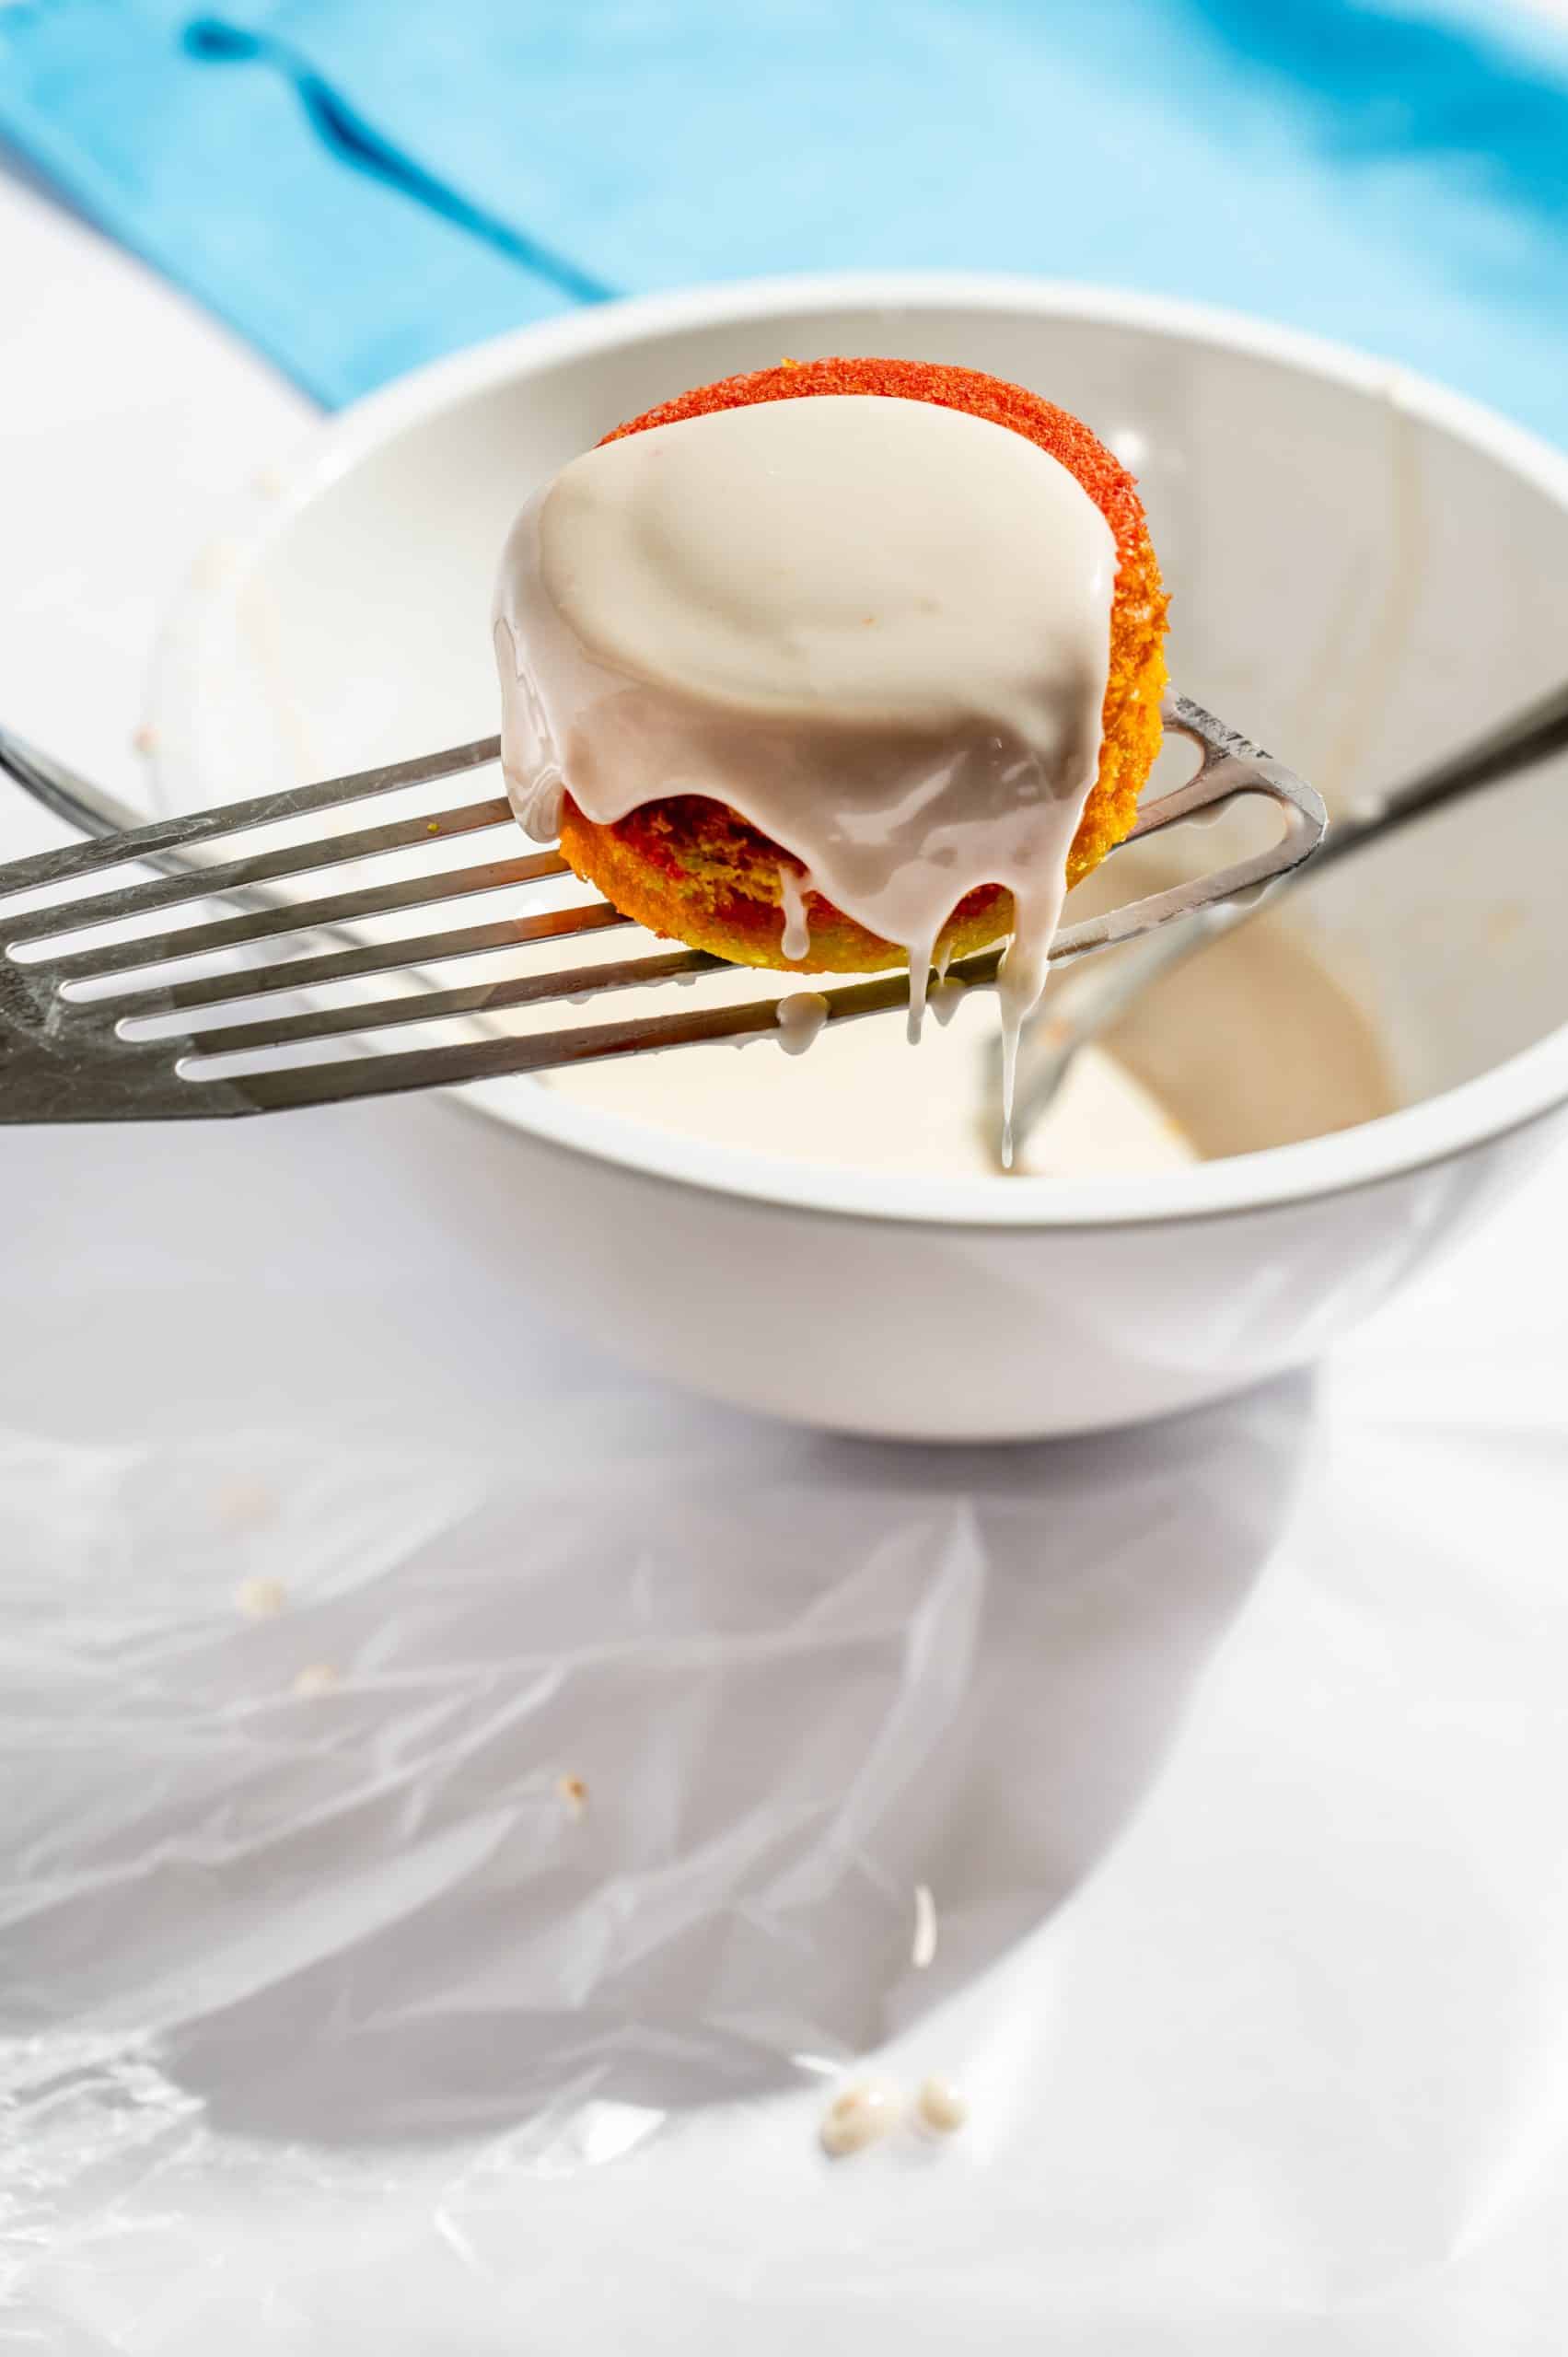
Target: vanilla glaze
(878, 629)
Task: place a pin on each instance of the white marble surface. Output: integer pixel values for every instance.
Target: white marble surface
(1285, 2073)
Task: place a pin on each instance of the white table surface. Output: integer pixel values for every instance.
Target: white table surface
(316, 1281)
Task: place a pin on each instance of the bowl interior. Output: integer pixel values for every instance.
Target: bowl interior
(1356, 583)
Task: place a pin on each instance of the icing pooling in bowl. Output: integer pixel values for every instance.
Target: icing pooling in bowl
(878, 629)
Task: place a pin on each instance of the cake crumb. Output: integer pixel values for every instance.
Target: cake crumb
(241, 1504)
(573, 1792)
(940, 2107)
(316, 1678)
(260, 1599)
(861, 2115)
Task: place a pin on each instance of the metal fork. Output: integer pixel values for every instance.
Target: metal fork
(65, 1055)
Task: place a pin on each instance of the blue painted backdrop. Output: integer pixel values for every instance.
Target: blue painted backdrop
(361, 184)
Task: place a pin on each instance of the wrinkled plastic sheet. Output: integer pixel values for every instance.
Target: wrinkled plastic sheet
(1232, 1753)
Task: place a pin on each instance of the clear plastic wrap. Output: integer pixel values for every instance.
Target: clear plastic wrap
(488, 1995)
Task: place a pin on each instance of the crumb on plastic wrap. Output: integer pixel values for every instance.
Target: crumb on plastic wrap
(316, 1678)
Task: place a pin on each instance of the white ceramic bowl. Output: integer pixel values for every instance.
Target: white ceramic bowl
(1363, 568)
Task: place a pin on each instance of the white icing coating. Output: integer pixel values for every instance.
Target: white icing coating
(877, 628)
(796, 939)
(800, 1018)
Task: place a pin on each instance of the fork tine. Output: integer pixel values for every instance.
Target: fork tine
(1220, 780)
(1230, 766)
(471, 1060)
(375, 958)
(1157, 908)
(202, 883)
(233, 818)
(300, 916)
(468, 998)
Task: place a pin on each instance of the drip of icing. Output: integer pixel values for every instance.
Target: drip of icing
(796, 939)
(1011, 1028)
(800, 1018)
(920, 952)
(878, 629)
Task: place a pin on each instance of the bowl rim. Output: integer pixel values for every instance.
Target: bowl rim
(1511, 1096)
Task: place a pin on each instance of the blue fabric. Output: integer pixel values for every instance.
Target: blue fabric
(359, 185)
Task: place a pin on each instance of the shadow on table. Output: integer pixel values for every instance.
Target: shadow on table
(797, 1677)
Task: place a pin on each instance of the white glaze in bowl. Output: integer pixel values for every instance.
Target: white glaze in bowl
(1363, 568)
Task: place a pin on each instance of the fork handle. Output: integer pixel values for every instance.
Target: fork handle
(86, 807)
(1522, 740)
